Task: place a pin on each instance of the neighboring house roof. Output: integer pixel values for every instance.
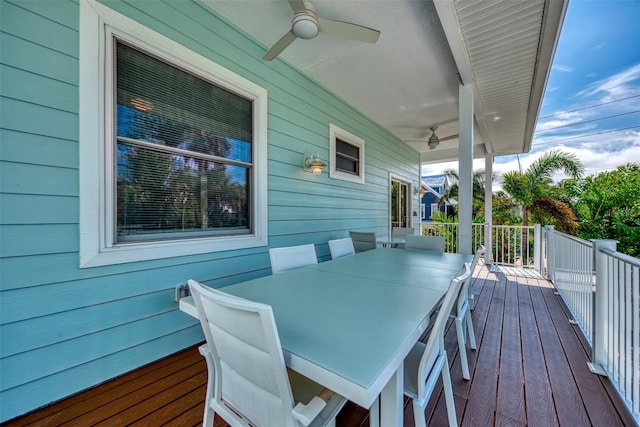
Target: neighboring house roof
(435, 180)
(430, 182)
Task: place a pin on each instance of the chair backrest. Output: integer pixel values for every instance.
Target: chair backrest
(464, 289)
(363, 241)
(426, 243)
(292, 257)
(341, 247)
(435, 342)
(401, 232)
(250, 383)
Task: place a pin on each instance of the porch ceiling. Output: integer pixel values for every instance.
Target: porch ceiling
(408, 81)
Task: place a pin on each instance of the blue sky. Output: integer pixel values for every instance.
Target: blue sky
(591, 105)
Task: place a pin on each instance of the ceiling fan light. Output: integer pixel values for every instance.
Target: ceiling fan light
(305, 27)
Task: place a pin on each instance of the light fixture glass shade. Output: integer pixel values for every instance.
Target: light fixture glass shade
(314, 164)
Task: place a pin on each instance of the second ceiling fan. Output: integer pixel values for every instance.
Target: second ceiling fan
(306, 24)
(434, 140)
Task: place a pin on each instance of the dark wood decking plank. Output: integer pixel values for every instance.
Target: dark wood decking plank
(174, 406)
(539, 402)
(503, 420)
(483, 286)
(618, 404)
(510, 382)
(88, 400)
(158, 399)
(480, 409)
(437, 407)
(122, 403)
(594, 396)
(569, 406)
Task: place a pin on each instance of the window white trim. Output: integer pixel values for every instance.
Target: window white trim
(96, 140)
(348, 137)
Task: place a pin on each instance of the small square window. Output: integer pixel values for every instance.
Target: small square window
(347, 155)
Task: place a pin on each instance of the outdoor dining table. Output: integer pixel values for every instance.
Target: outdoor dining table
(349, 323)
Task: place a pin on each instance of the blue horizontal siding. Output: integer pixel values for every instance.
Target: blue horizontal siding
(37, 27)
(22, 209)
(38, 89)
(21, 178)
(79, 327)
(20, 147)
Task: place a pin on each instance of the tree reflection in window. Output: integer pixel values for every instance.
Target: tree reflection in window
(183, 167)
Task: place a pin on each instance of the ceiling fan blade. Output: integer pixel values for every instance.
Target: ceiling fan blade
(446, 138)
(297, 5)
(348, 30)
(280, 45)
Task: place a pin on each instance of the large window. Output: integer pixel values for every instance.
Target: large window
(181, 148)
(347, 155)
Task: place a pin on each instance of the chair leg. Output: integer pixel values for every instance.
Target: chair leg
(418, 414)
(209, 414)
(472, 334)
(448, 394)
(460, 332)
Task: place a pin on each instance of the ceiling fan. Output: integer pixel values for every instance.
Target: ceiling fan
(434, 139)
(306, 24)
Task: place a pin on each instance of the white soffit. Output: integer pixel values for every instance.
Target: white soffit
(504, 49)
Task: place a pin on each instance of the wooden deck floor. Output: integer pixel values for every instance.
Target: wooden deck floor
(530, 369)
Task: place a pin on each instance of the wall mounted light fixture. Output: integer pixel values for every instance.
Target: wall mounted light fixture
(314, 164)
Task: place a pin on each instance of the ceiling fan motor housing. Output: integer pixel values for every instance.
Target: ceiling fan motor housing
(305, 25)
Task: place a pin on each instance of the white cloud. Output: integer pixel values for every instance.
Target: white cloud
(596, 156)
(617, 86)
(562, 68)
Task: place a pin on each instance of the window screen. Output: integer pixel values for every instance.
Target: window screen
(184, 152)
(347, 157)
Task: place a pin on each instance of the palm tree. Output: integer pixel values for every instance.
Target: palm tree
(478, 183)
(530, 189)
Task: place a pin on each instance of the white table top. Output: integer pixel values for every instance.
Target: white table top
(349, 323)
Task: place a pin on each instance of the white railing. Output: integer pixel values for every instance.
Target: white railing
(601, 288)
(616, 344)
(512, 245)
(570, 268)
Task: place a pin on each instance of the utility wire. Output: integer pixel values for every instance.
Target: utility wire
(588, 121)
(590, 106)
(584, 136)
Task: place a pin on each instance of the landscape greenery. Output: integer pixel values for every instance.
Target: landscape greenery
(600, 206)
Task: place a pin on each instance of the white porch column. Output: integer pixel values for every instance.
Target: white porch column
(465, 169)
(488, 206)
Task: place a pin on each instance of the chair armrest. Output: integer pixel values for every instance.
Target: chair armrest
(305, 414)
(204, 349)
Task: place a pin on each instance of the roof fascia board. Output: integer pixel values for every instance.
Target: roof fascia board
(554, 13)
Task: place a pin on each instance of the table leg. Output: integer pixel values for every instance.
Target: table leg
(374, 414)
(391, 400)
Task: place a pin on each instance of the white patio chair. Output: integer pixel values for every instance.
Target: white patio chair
(248, 383)
(400, 233)
(292, 257)
(425, 243)
(462, 314)
(427, 361)
(363, 241)
(341, 247)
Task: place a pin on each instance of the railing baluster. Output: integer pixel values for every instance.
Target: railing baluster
(634, 287)
(627, 331)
